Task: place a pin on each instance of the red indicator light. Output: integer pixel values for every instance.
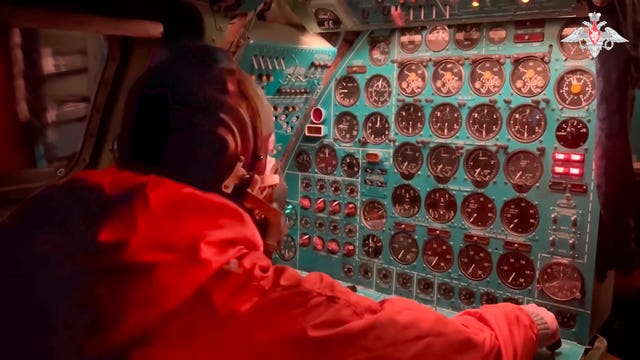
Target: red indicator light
(317, 115)
(575, 171)
(577, 157)
(560, 156)
(560, 170)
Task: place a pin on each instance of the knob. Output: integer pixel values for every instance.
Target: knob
(334, 227)
(305, 240)
(552, 241)
(574, 222)
(554, 219)
(349, 250)
(321, 205)
(350, 210)
(333, 246)
(334, 208)
(572, 244)
(306, 185)
(318, 243)
(305, 202)
(321, 186)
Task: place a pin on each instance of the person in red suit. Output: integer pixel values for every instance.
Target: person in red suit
(166, 254)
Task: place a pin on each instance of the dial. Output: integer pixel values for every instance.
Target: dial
(378, 91)
(529, 77)
(351, 230)
(446, 291)
(321, 186)
(437, 254)
(327, 19)
(412, 79)
(572, 50)
(484, 122)
(305, 184)
(326, 159)
(352, 190)
(365, 270)
(467, 296)
(523, 169)
(410, 40)
(346, 127)
(376, 128)
(407, 160)
(374, 215)
(526, 123)
(475, 262)
(487, 77)
(410, 119)
(576, 88)
(287, 249)
(347, 91)
(425, 286)
(443, 162)
(336, 187)
(441, 205)
(290, 215)
(478, 211)
(481, 166)
(445, 120)
(380, 53)
(438, 38)
(350, 165)
(487, 297)
(448, 78)
(561, 280)
(516, 270)
(572, 133)
(403, 247)
(467, 36)
(406, 200)
(303, 161)
(497, 35)
(372, 246)
(520, 216)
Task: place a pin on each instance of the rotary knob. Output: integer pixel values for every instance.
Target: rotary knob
(350, 210)
(334, 208)
(305, 240)
(321, 205)
(305, 202)
(349, 249)
(318, 243)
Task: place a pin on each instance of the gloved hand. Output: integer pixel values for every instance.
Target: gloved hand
(548, 330)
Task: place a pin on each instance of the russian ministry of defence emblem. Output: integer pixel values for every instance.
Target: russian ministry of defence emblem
(592, 38)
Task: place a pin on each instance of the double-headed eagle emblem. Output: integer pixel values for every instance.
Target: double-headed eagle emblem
(592, 38)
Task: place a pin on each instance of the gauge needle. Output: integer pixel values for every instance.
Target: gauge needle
(401, 253)
(434, 261)
(471, 268)
(473, 217)
(477, 172)
(518, 175)
(511, 277)
(513, 224)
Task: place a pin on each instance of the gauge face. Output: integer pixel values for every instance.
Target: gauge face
(516, 270)
(484, 122)
(410, 40)
(481, 166)
(441, 205)
(326, 159)
(406, 200)
(443, 162)
(561, 280)
(445, 120)
(412, 79)
(487, 297)
(576, 89)
(352, 190)
(403, 247)
(378, 91)
(350, 165)
(374, 215)
(526, 123)
(475, 262)
(519, 216)
(347, 91)
(346, 127)
(572, 50)
(487, 77)
(467, 296)
(572, 133)
(410, 119)
(529, 77)
(478, 211)
(303, 161)
(372, 246)
(448, 77)
(379, 53)
(523, 169)
(327, 19)
(290, 215)
(497, 35)
(438, 38)
(376, 128)
(407, 160)
(437, 254)
(467, 36)
(287, 249)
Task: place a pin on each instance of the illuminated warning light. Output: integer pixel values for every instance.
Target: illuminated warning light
(577, 157)
(318, 243)
(475, 3)
(560, 170)
(372, 158)
(524, 1)
(317, 115)
(575, 171)
(573, 157)
(558, 156)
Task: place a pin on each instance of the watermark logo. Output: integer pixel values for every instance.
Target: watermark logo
(592, 38)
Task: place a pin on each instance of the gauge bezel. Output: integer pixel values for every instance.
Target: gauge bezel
(472, 132)
(529, 265)
(579, 120)
(342, 163)
(295, 160)
(400, 43)
(403, 174)
(334, 155)
(379, 245)
(432, 193)
(411, 188)
(480, 183)
(375, 45)
(397, 116)
(505, 223)
(366, 134)
(473, 71)
(439, 178)
(514, 68)
(366, 223)
(346, 114)
(435, 71)
(510, 128)
(501, 26)
(475, 44)
(563, 262)
(433, 118)
(481, 249)
(428, 44)
(425, 79)
(561, 77)
(448, 251)
(522, 187)
(336, 88)
(413, 243)
(464, 204)
(369, 83)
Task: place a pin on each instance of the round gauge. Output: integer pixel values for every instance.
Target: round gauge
(446, 290)
(487, 297)
(576, 88)
(475, 262)
(447, 78)
(321, 186)
(376, 128)
(380, 53)
(467, 36)
(407, 160)
(351, 230)
(372, 246)
(374, 215)
(572, 133)
(481, 166)
(305, 184)
(412, 79)
(484, 122)
(438, 38)
(350, 165)
(561, 280)
(347, 91)
(478, 211)
(519, 216)
(487, 77)
(303, 161)
(378, 91)
(326, 159)
(425, 286)
(443, 162)
(516, 270)
(526, 123)
(327, 19)
(437, 254)
(290, 215)
(403, 247)
(406, 200)
(445, 120)
(530, 76)
(410, 119)
(352, 190)
(441, 205)
(466, 296)
(523, 169)
(287, 249)
(336, 187)
(410, 40)
(346, 127)
(572, 50)
(497, 35)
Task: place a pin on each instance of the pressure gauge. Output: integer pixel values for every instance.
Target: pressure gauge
(561, 281)
(347, 91)
(530, 77)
